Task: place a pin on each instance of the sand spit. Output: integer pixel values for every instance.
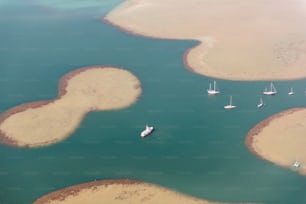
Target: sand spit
(80, 91)
(281, 138)
(238, 40)
(120, 191)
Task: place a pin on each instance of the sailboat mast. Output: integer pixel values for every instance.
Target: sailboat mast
(272, 87)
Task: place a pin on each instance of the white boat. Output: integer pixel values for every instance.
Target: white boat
(291, 92)
(272, 90)
(213, 91)
(146, 131)
(260, 104)
(296, 164)
(230, 106)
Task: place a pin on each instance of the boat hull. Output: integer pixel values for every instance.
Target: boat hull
(229, 107)
(212, 92)
(269, 93)
(260, 105)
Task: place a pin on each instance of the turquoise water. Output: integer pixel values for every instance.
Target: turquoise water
(197, 148)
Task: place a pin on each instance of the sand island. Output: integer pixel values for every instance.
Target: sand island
(120, 191)
(281, 139)
(80, 91)
(238, 40)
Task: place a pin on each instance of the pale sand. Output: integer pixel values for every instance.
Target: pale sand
(240, 40)
(281, 138)
(80, 91)
(118, 192)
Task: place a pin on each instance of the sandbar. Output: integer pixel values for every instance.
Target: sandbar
(119, 191)
(281, 139)
(95, 88)
(238, 39)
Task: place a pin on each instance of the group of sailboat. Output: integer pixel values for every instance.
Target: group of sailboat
(273, 91)
(270, 92)
(214, 91)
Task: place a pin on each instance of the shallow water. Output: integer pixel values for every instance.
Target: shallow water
(197, 148)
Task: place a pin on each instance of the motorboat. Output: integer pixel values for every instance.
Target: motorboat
(148, 130)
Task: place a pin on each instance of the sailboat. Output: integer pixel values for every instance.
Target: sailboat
(291, 92)
(260, 104)
(213, 91)
(272, 90)
(296, 164)
(230, 106)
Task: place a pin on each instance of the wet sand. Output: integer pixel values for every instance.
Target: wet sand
(80, 91)
(120, 191)
(238, 40)
(281, 139)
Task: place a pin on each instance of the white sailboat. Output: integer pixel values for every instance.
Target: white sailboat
(260, 104)
(291, 92)
(146, 131)
(230, 106)
(213, 91)
(296, 164)
(272, 90)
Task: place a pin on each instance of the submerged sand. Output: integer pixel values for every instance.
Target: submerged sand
(80, 91)
(118, 192)
(238, 39)
(281, 138)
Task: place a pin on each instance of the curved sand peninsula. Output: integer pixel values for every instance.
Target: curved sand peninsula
(80, 91)
(118, 192)
(281, 138)
(238, 39)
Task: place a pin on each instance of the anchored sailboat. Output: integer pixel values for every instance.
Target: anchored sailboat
(260, 104)
(230, 106)
(272, 90)
(296, 164)
(291, 92)
(213, 91)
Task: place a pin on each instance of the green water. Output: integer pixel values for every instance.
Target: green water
(197, 148)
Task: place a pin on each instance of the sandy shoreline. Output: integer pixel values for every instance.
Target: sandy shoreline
(118, 191)
(280, 138)
(226, 49)
(61, 195)
(46, 122)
